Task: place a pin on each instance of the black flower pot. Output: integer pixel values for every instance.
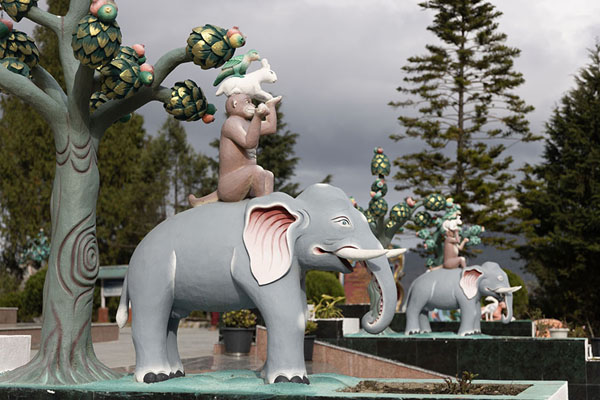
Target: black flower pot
(309, 344)
(237, 340)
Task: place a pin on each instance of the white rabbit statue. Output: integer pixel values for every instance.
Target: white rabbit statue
(250, 83)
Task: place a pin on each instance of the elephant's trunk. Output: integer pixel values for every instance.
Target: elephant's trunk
(508, 299)
(384, 295)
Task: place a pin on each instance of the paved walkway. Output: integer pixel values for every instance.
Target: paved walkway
(196, 348)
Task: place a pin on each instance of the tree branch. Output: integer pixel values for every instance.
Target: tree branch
(167, 63)
(27, 91)
(111, 111)
(77, 10)
(44, 18)
(79, 98)
(48, 84)
(108, 113)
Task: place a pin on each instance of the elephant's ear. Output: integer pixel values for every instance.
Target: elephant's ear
(268, 240)
(468, 281)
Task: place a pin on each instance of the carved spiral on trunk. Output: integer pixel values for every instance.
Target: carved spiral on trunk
(84, 257)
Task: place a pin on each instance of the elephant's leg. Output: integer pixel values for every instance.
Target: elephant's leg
(469, 318)
(172, 350)
(149, 330)
(282, 307)
(413, 311)
(424, 321)
(478, 324)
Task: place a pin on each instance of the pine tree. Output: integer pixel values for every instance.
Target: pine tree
(187, 172)
(27, 172)
(27, 156)
(276, 154)
(560, 209)
(462, 90)
(132, 189)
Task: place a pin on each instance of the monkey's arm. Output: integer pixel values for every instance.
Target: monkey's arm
(269, 126)
(235, 131)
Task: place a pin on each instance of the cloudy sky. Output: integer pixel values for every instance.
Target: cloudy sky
(338, 64)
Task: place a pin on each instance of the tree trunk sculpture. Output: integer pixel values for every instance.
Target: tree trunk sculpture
(66, 354)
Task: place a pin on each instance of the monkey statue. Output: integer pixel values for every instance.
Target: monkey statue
(239, 174)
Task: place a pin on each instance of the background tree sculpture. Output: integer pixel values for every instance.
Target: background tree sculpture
(385, 228)
(462, 91)
(88, 38)
(559, 206)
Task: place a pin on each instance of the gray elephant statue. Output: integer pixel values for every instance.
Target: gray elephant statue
(253, 253)
(460, 288)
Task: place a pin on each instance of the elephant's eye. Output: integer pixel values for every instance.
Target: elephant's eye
(343, 221)
(500, 278)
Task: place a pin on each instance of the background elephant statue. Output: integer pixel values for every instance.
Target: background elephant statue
(252, 253)
(461, 288)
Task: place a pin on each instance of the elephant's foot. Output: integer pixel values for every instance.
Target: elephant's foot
(469, 333)
(151, 377)
(178, 374)
(295, 379)
(282, 376)
(416, 331)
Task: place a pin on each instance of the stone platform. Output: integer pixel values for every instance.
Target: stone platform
(497, 358)
(242, 384)
(101, 332)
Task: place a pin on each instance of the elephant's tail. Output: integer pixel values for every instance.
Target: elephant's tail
(406, 299)
(209, 198)
(123, 310)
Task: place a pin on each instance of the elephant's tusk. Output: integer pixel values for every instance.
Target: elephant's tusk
(350, 253)
(393, 253)
(507, 289)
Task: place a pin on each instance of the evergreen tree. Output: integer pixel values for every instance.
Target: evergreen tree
(462, 90)
(276, 154)
(560, 205)
(187, 172)
(27, 157)
(132, 189)
(130, 183)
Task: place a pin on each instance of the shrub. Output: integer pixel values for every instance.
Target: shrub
(32, 298)
(319, 283)
(10, 299)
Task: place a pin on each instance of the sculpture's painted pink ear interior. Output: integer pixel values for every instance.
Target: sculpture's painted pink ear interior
(267, 240)
(468, 282)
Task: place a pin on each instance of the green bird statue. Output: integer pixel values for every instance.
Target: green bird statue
(237, 66)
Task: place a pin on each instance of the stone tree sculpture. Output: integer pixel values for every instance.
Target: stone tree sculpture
(104, 83)
(386, 227)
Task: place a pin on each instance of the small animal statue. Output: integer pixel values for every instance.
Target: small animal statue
(239, 174)
(250, 83)
(237, 66)
(489, 310)
(452, 246)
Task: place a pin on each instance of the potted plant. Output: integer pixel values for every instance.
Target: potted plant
(330, 317)
(309, 339)
(238, 331)
(327, 309)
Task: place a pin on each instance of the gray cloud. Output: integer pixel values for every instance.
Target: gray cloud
(339, 61)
